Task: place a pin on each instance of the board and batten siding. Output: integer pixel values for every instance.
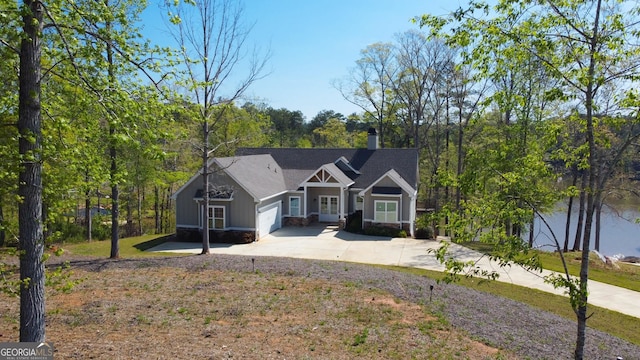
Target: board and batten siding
(404, 202)
(240, 212)
(186, 208)
(314, 193)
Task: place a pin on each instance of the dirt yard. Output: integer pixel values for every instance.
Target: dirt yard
(219, 307)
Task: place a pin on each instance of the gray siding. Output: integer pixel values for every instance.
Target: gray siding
(313, 195)
(404, 202)
(284, 198)
(240, 212)
(186, 208)
(386, 181)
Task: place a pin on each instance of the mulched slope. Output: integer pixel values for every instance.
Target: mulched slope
(499, 322)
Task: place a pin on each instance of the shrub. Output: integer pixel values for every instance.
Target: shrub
(354, 222)
(424, 233)
(65, 231)
(385, 231)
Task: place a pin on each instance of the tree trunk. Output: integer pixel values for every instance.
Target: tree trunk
(598, 210)
(115, 193)
(447, 189)
(205, 190)
(87, 214)
(581, 210)
(31, 244)
(567, 228)
(139, 204)
(594, 194)
(129, 227)
(2, 231)
(165, 214)
(436, 186)
(460, 157)
(531, 229)
(156, 209)
(113, 155)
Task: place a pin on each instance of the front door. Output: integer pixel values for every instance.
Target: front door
(328, 209)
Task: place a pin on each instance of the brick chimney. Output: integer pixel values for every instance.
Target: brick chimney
(372, 139)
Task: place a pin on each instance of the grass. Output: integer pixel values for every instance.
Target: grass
(614, 323)
(129, 247)
(627, 276)
(620, 325)
(250, 315)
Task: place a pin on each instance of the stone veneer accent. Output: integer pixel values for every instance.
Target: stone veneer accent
(405, 226)
(295, 221)
(299, 221)
(216, 236)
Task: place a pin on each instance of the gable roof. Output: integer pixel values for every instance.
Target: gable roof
(259, 175)
(371, 164)
(393, 175)
(334, 172)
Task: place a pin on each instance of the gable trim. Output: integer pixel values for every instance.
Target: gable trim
(395, 177)
(346, 162)
(328, 171)
(193, 178)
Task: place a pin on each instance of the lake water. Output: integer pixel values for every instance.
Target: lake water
(619, 234)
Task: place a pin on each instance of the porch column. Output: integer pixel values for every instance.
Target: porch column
(364, 207)
(305, 201)
(341, 203)
(401, 207)
(412, 215)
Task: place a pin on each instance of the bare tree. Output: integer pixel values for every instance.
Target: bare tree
(370, 85)
(423, 65)
(213, 41)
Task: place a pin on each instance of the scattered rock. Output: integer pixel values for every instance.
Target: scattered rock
(631, 259)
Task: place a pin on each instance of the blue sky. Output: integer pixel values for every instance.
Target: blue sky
(314, 42)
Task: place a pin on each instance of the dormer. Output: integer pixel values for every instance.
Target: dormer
(343, 164)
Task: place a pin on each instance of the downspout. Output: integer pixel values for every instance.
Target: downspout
(412, 214)
(363, 210)
(401, 203)
(257, 222)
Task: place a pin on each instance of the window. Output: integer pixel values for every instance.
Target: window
(294, 206)
(386, 211)
(216, 217)
(359, 203)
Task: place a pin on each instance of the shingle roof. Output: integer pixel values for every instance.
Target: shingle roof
(371, 164)
(260, 174)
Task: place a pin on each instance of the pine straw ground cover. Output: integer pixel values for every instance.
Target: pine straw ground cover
(218, 307)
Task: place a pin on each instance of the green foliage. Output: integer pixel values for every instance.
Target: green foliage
(354, 223)
(333, 134)
(385, 231)
(574, 54)
(360, 338)
(9, 282)
(58, 278)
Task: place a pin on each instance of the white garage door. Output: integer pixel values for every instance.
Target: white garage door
(269, 219)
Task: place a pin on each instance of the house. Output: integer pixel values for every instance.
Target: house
(262, 189)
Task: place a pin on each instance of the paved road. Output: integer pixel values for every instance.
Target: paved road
(326, 243)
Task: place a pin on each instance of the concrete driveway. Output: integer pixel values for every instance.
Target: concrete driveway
(327, 243)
